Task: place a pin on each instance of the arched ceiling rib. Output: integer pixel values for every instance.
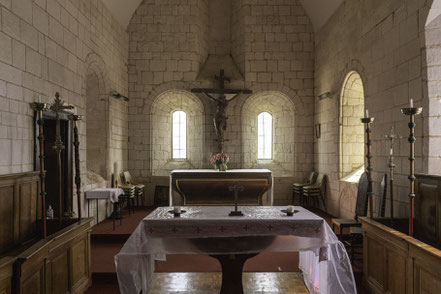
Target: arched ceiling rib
(319, 11)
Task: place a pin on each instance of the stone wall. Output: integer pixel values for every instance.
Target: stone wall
(272, 44)
(46, 47)
(384, 41)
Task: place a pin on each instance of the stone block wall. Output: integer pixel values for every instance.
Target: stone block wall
(272, 44)
(384, 41)
(45, 47)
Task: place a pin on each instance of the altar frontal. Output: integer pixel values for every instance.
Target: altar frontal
(209, 187)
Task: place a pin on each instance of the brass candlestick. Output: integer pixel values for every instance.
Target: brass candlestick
(367, 121)
(57, 107)
(411, 112)
(75, 118)
(38, 108)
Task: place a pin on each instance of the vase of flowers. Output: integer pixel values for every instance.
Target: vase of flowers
(219, 161)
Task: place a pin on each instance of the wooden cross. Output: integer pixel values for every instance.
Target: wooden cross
(220, 120)
(236, 187)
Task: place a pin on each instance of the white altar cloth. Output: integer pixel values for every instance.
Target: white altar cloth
(105, 193)
(323, 259)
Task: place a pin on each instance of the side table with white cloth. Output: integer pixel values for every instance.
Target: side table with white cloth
(110, 194)
(209, 230)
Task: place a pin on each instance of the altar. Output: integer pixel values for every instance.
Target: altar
(209, 230)
(210, 187)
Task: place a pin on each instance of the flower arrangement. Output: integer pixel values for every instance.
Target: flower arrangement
(219, 161)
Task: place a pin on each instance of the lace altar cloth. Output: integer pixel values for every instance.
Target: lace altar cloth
(209, 230)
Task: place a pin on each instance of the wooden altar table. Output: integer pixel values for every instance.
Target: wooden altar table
(209, 230)
(210, 187)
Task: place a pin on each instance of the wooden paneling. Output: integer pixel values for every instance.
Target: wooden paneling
(375, 262)
(60, 264)
(6, 271)
(20, 209)
(395, 263)
(6, 217)
(59, 273)
(79, 260)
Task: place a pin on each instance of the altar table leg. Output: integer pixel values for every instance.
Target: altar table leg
(232, 267)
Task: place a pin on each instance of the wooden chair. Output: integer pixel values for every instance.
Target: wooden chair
(129, 194)
(360, 207)
(354, 239)
(139, 188)
(297, 188)
(316, 191)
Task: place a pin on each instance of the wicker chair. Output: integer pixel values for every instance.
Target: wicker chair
(139, 188)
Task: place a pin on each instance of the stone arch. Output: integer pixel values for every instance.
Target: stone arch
(431, 93)
(160, 133)
(281, 107)
(351, 131)
(97, 119)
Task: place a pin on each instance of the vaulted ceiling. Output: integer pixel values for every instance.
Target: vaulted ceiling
(318, 10)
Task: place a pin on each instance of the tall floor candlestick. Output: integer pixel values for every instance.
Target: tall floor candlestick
(38, 108)
(367, 121)
(411, 112)
(76, 143)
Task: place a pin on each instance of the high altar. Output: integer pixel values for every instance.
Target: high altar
(210, 187)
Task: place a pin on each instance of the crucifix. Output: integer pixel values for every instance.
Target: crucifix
(391, 137)
(219, 95)
(236, 188)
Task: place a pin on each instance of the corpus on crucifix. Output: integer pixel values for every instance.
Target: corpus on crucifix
(219, 95)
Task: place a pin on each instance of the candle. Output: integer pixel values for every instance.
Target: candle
(411, 103)
(176, 209)
(290, 209)
(39, 99)
(391, 151)
(367, 113)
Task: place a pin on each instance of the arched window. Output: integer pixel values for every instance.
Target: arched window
(179, 135)
(264, 136)
(351, 129)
